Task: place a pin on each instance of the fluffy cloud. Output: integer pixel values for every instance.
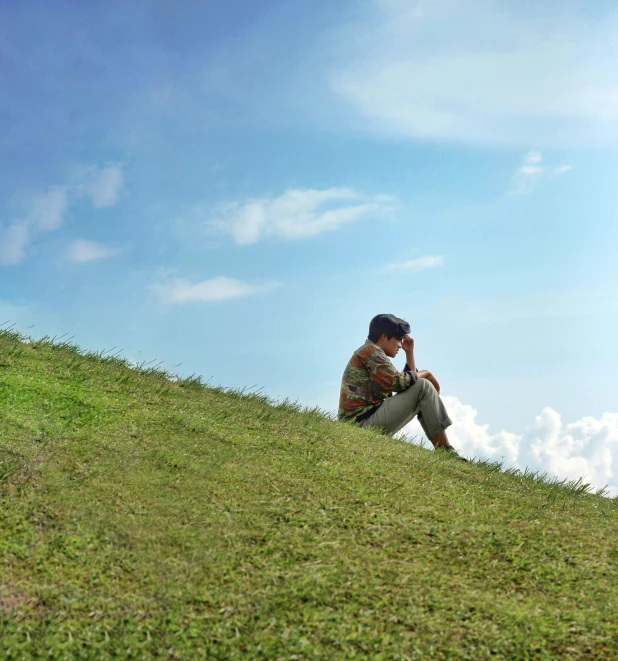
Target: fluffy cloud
(13, 243)
(483, 72)
(88, 251)
(528, 175)
(104, 185)
(46, 214)
(297, 214)
(48, 210)
(418, 264)
(582, 449)
(208, 291)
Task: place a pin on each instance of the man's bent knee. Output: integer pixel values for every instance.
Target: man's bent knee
(426, 386)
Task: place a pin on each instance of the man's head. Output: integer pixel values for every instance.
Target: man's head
(386, 331)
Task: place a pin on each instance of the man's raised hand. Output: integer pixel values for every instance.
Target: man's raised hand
(407, 343)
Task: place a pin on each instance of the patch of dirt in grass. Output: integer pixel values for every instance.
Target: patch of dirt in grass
(18, 472)
(11, 601)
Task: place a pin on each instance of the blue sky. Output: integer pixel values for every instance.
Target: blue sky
(236, 188)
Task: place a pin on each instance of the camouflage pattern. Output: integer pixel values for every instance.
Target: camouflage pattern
(369, 378)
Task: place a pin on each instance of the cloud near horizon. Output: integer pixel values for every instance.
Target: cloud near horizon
(297, 214)
(209, 291)
(582, 449)
(484, 72)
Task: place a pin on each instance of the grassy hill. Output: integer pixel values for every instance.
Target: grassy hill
(149, 517)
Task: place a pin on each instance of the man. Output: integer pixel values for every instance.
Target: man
(370, 379)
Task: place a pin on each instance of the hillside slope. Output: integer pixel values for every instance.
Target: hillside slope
(148, 517)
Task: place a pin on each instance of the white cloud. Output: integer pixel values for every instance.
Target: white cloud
(534, 157)
(48, 210)
(528, 175)
(46, 214)
(88, 251)
(484, 72)
(104, 185)
(582, 449)
(13, 243)
(418, 264)
(209, 291)
(297, 213)
(531, 170)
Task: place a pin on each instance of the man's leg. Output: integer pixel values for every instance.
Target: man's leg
(419, 399)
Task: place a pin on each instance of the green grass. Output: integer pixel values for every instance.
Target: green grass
(150, 517)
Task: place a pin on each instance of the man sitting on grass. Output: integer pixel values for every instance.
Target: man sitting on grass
(370, 379)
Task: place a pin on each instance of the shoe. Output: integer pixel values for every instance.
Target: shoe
(450, 450)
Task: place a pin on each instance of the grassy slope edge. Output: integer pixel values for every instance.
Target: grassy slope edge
(144, 516)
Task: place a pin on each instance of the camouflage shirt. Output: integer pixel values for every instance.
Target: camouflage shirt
(368, 379)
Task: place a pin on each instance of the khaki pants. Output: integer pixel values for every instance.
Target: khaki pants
(420, 399)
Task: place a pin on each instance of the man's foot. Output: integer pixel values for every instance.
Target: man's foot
(450, 450)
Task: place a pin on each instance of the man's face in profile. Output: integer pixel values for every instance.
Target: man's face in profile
(390, 347)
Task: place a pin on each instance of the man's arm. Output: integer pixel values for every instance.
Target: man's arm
(426, 374)
(384, 373)
(408, 346)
